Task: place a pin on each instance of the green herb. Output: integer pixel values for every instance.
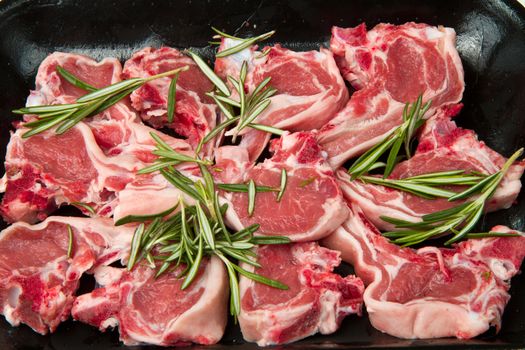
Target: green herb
(458, 220)
(70, 244)
(244, 188)
(191, 234)
(198, 230)
(428, 185)
(65, 116)
(87, 207)
(243, 43)
(413, 119)
(168, 157)
(172, 102)
(141, 218)
(249, 106)
(282, 188)
(251, 197)
(264, 53)
(74, 80)
(219, 84)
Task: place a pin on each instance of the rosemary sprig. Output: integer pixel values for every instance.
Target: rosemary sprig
(413, 119)
(192, 233)
(429, 185)
(242, 112)
(65, 116)
(198, 230)
(458, 220)
(243, 43)
(87, 207)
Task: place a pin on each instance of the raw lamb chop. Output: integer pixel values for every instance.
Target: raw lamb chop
(310, 89)
(442, 147)
(317, 299)
(155, 310)
(430, 292)
(195, 113)
(312, 205)
(51, 88)
(48, 170)
(38, 280)
(389, 66)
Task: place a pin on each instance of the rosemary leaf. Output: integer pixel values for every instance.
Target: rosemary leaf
(85, 206)
(157, 166)
(110, 90)
(270, 240)
(37, 129)
(491, 234)
(172, 98)
(174, 155)
(251, 197)
(244, 188)
(267, 128)
(74, 80)
(70, 242)
(194, 268)
(282, 187)
(244, 43)
(135, 245)
(261, 279)
(223, 34)
(219, 84)
(205, 227)
(141, 218)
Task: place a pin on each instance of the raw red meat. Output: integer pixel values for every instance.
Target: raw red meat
(430, 292)
(310, 89)
(48, 170)
(195, 114)
(38, 280)
(157, 311)
(312, 205)
(442, 147)
(51, 88)
(317, 299)
(389, 66)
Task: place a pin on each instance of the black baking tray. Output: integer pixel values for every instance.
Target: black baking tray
(491, 42)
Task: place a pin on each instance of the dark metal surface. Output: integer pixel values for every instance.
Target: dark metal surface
(491, 42)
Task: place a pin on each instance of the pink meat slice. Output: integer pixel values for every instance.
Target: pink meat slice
(37, 278)
(389, 66)
(151, 310)
(312, 205)
(52, 88)
(48, 170)
(442, 147)
(317, 299)
(430, 292)
(195, 114)
(310, 89)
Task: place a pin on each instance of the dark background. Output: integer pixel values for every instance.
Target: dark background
(491, 42)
